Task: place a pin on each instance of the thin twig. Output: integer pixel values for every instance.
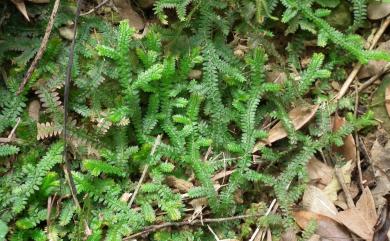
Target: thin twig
(11, 134)
(95, 8)
(42, 48)
(357, 140)
(357, 67)
(66, 167)
(156, 143)
(154, 228)
(347, 193)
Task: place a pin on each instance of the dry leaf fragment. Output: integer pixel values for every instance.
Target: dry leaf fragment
(289, 235)
(314, 200)
(33, 110)
(67, 33)
(383, 224)
(361, 219)
(180, 184)
(348, 150)
(375, 66)
(387, 100)
(378, 10)
(327, 228)
(380, 156)
(127, 12)
(299, 116)
(222, 174)
(334, 186)
(22, 8)
(319, 173)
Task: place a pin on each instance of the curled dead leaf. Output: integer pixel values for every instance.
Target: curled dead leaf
(299, 116)
(327, 228)
(378, 10)
(348, 149)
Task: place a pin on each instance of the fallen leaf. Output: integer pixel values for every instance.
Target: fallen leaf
(67, 33)
(380, 156)
(377, 103)
(374, 67)
(275, 76)
(362, 218)
(180, 184)
(125, 197)
(127, 12)
(22, 8)
(348, 149)
(327, 228)
(289, 235)
(33, 110)
(383, 225)
(334, 186)
(341, 202)
(222, 174)
(387, 100)
(314, 200)
(378, 10)
(299, 116)
(315, 237)
(320, 174)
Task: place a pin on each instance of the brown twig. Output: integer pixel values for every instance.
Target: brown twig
(95, 8)
(156, 143)
(357, 67)
(357, 140)
(42, 48)
(347, 193)
(154, 228)
(10, 138)
(66, 167)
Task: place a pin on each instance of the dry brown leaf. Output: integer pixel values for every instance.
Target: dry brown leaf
(67, 33)
(289, 235)
(380, 156)
(334, 186)
(275, 76)
(382, 227)
(299, 116)
(33, 110)
(387, 100)
(362, 218)
(314, 200)
(127, 12)
(378, 10)
(348, 150)
(125, 197)
(327, 228)
(222, 174)
(375, 66)
(315, 237)
(22, 8)
(320, 174)
(180, 184)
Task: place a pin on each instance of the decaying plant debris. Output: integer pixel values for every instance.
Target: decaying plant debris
(194, 120)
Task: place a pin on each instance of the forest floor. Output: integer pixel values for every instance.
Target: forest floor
(290, 142)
